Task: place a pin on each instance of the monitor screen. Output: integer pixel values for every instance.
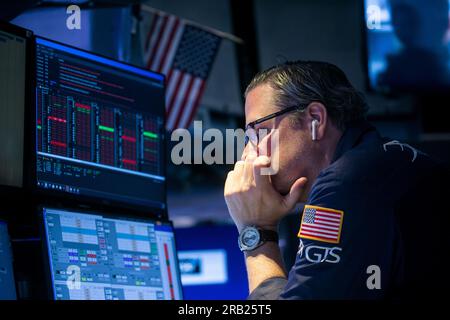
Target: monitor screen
(211, 264)
(408, 44)
(13, 56)
(95, 257)
(99, 126)
(7, 286)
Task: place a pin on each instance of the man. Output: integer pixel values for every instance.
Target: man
(373, 224)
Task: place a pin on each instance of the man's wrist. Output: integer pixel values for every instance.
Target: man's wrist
(263, 249)
(263, 263)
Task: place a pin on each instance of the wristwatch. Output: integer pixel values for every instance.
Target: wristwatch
(251, 237)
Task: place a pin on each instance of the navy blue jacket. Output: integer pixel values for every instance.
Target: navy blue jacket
(375, 225)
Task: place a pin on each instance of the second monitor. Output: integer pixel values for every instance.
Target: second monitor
(97, 257)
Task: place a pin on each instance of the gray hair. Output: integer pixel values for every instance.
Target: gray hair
(302, 82)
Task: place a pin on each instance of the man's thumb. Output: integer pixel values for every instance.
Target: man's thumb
(294, 194)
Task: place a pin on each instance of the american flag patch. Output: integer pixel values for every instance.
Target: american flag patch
(322, 224)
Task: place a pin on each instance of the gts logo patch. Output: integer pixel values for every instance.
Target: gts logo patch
(317, 254)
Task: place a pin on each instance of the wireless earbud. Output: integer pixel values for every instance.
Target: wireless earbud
(314, 124)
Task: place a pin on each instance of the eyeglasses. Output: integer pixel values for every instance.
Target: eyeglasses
(252, 124)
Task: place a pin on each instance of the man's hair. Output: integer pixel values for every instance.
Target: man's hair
(303, 82)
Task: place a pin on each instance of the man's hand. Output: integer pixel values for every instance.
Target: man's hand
(250, 196)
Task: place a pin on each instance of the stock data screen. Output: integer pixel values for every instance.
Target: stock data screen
(99, 126)
(93, 257)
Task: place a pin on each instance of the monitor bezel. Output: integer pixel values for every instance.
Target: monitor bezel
(28, 35)
(76, 200)
(49, 285)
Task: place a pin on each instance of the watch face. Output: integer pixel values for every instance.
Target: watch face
(251, 237)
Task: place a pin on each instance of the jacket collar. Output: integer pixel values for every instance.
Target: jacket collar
(352, 136)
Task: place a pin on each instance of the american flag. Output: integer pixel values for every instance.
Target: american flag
(185, 54)
(321, 224)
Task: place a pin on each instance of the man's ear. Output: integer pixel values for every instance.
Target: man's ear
(316, 112)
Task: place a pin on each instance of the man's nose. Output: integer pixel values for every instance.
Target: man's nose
(251, 148)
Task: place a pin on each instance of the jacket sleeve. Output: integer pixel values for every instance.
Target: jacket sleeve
(269, 289)
(346, 246)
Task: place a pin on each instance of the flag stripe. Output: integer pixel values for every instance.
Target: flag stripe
(164, 42)
(164, 59)
(326, 223)
(158, 39)
(154, 37)
(179, 97)
(326, 214)
(197, 102)
(313, 229)
(322, 226)
(184, 121)
(318, 235)
(328, 211)
(322, 218)
(173, 48)
(173, 90)
(187, 98)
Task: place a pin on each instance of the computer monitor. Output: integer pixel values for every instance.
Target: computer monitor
(102, 257)
(99, 127)
(7, 285)
(408, 45)
(15, 52)
(212, 266)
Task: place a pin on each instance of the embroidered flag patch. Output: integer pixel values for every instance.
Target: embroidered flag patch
(321, 224)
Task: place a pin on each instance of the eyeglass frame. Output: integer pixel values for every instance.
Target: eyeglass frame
(268, 117)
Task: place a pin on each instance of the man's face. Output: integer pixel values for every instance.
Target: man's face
(294, 147)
